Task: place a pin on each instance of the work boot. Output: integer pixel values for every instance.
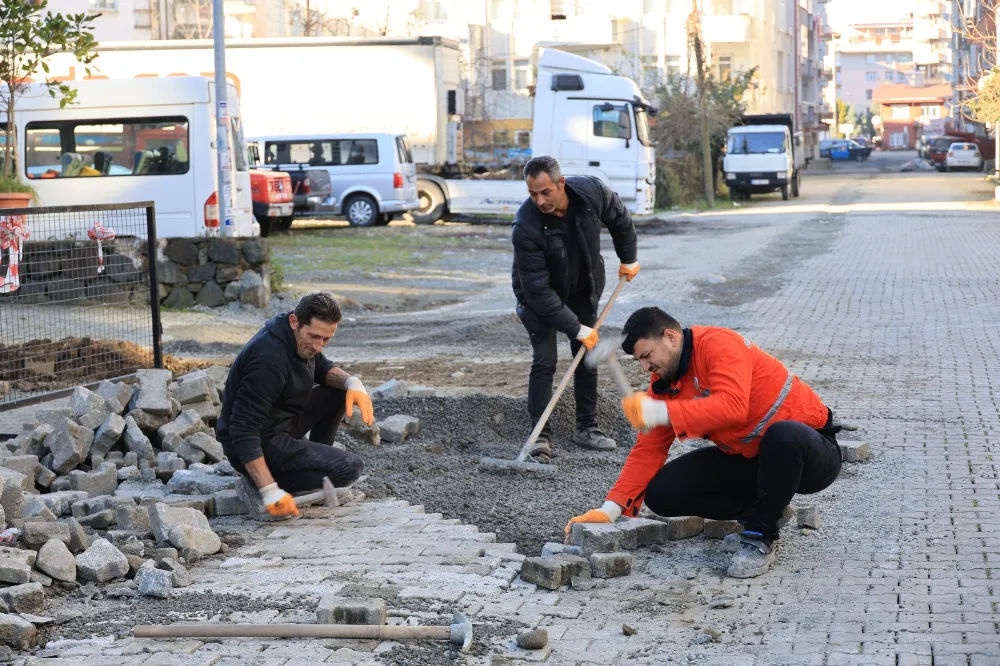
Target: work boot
(541, 450)
(592, 438)
(247, 491)
(756, 555)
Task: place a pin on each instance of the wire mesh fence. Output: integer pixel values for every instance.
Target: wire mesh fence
(78, 301)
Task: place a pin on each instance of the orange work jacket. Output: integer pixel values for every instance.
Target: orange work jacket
(729, 394)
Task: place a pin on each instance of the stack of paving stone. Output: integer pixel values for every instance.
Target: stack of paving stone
(115, 490)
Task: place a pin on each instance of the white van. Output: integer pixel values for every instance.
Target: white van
(150, 139)
(373, 176)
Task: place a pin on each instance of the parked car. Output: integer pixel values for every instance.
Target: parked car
(924, 144)
(858, 150)
(272, 200)
(824, 148)
(937, 151)
(963, 156)
(372, 176)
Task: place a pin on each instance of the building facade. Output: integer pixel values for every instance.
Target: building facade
(907, 112)
(115, 20)
(974, 54)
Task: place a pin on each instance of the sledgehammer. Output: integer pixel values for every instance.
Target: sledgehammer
(604, 352)
(328, 495)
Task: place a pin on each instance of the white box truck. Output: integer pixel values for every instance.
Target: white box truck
(764, 154)
(591, 120)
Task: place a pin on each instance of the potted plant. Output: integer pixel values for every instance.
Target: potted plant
(14, 193)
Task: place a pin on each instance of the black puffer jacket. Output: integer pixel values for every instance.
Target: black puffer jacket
(540, 274)
(268, 386)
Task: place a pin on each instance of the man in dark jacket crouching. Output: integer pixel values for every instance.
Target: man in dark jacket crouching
(280, 388)
(558, 278)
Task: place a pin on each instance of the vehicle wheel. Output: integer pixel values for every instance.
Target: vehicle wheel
(734, 194)
(946, 168)
(265, 226)
(795, 185)
(282, 223)
(361, 211)
(784, 192)
(383, 220)
(432, 202)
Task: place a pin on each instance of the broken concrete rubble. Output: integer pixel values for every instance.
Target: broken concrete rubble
(55, 559)
(101, 562)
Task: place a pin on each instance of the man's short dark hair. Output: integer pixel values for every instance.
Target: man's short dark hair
(644, 323)
(319, 305)
(543, 164)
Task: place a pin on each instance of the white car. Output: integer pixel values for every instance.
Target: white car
(963, 156)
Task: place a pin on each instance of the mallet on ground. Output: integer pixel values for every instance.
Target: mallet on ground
(459, 633)
(521, 463)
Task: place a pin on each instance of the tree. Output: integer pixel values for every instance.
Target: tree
(697, 47)
(29, 36)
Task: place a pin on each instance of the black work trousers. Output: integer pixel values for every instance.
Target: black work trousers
(793, 458)
(299, 465)
(544, 340)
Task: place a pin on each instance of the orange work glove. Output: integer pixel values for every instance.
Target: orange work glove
(628, 271)
(277, 502)
(587, 336)
(644, 412)
(357, 395)
(592, 516)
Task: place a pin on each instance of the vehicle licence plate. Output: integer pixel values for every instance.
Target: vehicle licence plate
(760, 181)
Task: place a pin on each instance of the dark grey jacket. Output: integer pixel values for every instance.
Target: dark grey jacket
(268, 386)
(540, 274)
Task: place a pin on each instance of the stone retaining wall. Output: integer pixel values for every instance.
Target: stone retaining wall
(213, 271)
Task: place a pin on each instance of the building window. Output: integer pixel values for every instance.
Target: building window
(900, 77)
(103, 5)
(870, 59)
(931, 111)
(498, 75)
(522, 75)
(868, 94)
(889, 76)
(871, 76)
(725, 67)
(650, 72)
(900, 112)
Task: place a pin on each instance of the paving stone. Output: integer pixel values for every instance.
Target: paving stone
(153, 582)
(55, 559)
(596, 537)
(132, 517)
(198, 389)
(421, 392)
(83, 402)
(551, 548)
(128, 474)
(142, 490)
(207, 411)
(201, 542)
(14, 571)
(152, 396)
(228, 503)
(193, 482)
(189, 454)
(551, 572)
(163, 519)
(398, 428)
(394, 388)
(101, 562)
(44, 477)
(149, 423)
(137, 441)
(108, 434)
(26, 598)
(102, 481)
(208, 445)
(341, 610)
(36, 440)
(645, 532)
(180, 577)
(78, 539)
(684, 527)
(69, 444)
(854, 451)
(720, 529)
(610, 565)
(168, 461)
(186, 424)
(60, 503)
(808, 516)
(23, 464)
(36, 535)
(17, 632)
(101, 520)
(116, 394)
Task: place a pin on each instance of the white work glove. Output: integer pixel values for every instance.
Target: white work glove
(587, 336)
(644, 412)
(277, 502)
(357, 395)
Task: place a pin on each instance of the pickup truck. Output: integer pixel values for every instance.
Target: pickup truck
(311, 190)
(272, 200)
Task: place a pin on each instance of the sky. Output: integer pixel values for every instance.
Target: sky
(841, 13)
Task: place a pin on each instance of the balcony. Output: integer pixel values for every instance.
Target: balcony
(726, 29)
(930, 8)
(929, 32)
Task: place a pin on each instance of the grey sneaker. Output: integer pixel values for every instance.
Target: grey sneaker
(732, 543)
(541, 450)
(593, 439)
(247, 491)
(756, 555)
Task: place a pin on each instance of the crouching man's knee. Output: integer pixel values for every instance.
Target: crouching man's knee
(353, 467)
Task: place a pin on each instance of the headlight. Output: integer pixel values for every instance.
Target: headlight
(782, 174)
(730, 176)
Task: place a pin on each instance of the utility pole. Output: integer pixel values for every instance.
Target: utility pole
(694, 40)
(224, 158)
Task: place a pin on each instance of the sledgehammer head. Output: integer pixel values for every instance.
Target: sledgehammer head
(602, 351)
(329, 493)
(461, 631)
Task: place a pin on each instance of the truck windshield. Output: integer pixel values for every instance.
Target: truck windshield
(756, 142)
(642, 127)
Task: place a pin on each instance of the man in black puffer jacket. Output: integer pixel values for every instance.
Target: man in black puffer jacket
(558, 278)
(280, 388)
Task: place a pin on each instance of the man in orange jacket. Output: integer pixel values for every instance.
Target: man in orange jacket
(773, 435)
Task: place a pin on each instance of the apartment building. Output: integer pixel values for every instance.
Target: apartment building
(116, 20)
(908, 112)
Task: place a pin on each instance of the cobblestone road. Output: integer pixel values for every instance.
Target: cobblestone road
(893, 317)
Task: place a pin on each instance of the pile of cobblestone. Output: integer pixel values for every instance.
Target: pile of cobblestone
(115, 490)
